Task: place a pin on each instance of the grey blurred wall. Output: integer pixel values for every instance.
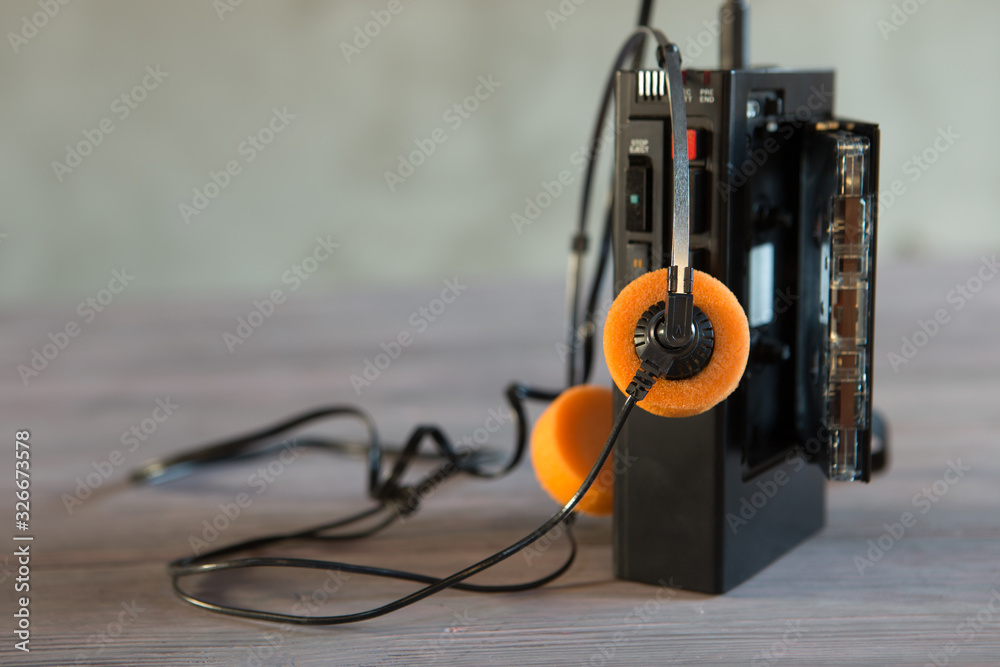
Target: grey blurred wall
(922, 69)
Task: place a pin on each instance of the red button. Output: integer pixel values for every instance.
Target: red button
(692, 145)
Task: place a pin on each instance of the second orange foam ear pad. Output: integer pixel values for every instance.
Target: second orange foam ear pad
(565, 443)
(679, 398)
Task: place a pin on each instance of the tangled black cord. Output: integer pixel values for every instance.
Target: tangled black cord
(393, 499)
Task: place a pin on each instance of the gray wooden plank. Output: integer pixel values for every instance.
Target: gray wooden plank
(811, 607)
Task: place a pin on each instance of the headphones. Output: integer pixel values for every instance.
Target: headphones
(676, 342)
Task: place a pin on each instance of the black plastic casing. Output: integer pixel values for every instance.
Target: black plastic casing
(705, 502)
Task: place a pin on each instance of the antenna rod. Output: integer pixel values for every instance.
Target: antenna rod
(734, 42)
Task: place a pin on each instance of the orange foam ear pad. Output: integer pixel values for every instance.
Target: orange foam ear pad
(565, 443)
(679, 398)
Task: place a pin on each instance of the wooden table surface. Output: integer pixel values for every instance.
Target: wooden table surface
(100, 595)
